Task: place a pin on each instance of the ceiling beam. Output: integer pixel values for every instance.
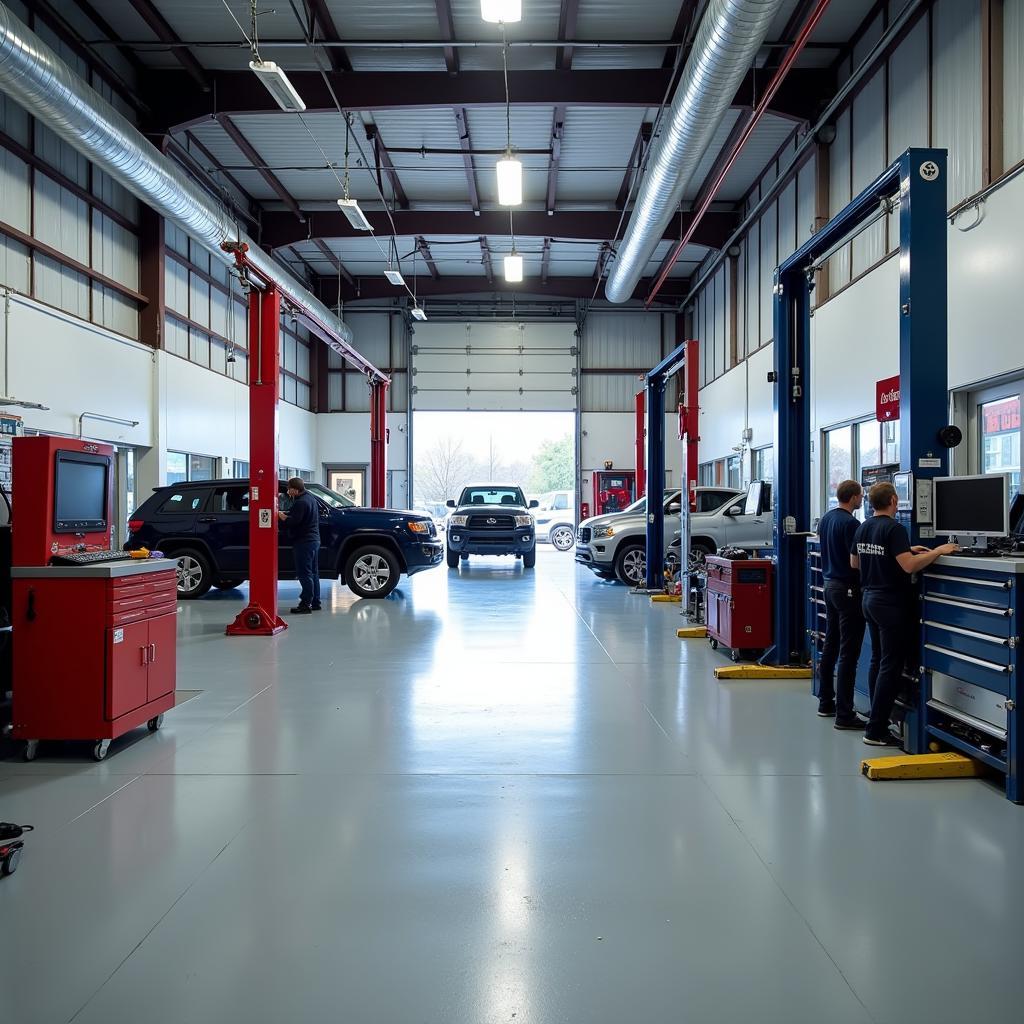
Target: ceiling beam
(424, 250)
(217, 166)
(279, 228)
(485, 251)
(681, 32)
(462, 122)
(248, 151)
(320, 16)
(545, 261)
(445, 20)
(557, 128)
(724, 155)
(163, 31)
(329, 255)
(384, 163)
(178, 104)
(636, 158)
(566, 30)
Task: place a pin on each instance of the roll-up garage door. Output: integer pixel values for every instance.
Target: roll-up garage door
(494, 367)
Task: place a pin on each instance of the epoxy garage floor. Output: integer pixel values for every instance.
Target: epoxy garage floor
(497, 797)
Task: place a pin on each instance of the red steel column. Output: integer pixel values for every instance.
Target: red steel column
(378, 442)
(641, 449)
(689, 418)
(260, 617)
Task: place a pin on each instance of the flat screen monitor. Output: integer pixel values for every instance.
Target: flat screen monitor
(976, 506)
(80, 493)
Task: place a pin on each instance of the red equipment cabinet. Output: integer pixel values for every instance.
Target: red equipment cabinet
(739, 604)
(613, 490)
(95, 653)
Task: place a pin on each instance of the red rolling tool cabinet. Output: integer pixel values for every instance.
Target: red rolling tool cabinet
(739, 605)
(94, 654)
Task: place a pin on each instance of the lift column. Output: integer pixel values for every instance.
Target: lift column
(259, 617)
(378, 441)
(640, 445)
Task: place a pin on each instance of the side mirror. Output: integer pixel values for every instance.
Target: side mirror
(535, 503)
(451, 503)
(673, 510)
(735, 510)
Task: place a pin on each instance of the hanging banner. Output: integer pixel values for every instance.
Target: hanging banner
(887, 399)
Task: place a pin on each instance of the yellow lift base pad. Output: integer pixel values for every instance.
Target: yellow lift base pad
(692, 633)
(922, 766)
(761, 672)
(666, 599)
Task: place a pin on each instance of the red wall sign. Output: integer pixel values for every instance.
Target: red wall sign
(1001, 416)
(887, 399)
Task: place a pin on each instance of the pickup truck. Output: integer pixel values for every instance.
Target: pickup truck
(615, 546)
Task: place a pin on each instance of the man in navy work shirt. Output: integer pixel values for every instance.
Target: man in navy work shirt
(886, 561)
(302, 523)
(844, 621)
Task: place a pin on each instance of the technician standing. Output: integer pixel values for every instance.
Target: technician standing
(886, 560)
(303, 525)
(844, 620)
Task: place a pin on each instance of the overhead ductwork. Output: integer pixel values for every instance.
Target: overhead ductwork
(36, 78)
(729, 36)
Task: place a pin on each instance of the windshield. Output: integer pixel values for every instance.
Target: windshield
(329, 497)
(492, 496)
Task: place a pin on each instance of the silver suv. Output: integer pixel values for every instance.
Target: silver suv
(615, 546)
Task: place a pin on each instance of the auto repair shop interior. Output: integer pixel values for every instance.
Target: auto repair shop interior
(444, 447)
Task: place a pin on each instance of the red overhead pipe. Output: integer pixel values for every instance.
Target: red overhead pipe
(773, 87)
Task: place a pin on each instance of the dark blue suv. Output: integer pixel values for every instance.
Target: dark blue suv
(205, 526)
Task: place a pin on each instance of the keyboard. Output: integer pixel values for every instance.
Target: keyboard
(90, 557)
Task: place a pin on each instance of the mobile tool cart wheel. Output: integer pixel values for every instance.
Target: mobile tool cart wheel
(31, 749)
(154, 723)
(734, 654)
(714, 644)
(99, 751)
(9, 862)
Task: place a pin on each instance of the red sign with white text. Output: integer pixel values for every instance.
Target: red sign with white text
(887, 399)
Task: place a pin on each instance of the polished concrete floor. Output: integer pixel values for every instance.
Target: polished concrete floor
(498, 796)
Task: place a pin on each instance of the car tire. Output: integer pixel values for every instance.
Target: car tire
(226, 584)
(562, 537)
(195, 577)
(631, 565)
(699, 551)
(530, 558)
(453, 559)
(372, 572)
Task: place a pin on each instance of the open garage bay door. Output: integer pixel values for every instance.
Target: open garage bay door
(494, 367)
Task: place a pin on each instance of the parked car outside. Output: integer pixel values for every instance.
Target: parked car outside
(491, 519)
(204, 526)
(615, 546)
(556, 519)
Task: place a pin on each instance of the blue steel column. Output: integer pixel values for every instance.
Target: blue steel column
(792, 415)
(924, 387)
(655, 480)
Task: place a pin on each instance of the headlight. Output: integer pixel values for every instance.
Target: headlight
(417, 526)
(458, 520)
(604, 531)
(524, 520)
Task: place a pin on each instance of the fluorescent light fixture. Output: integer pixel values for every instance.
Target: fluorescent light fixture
(501, 10)
(510, 181)
(419, 313)
(513, 267)
(395, 277)
(276, 81)
(355, 216)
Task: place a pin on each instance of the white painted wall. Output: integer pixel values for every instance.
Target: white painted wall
(610, 435)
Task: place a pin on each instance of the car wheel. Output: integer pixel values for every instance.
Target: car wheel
(631, 565)
(194, 576)
(699, 551)
(562, 538)
(372, 572)
(453, 559)
(530, 558)
(226, 584)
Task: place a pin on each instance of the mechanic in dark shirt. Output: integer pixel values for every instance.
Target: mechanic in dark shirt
(886, 560)
(844, 620)
(302, 523)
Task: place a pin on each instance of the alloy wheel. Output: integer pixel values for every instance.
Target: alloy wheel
(189, 573)
(563, 538)
(634, 565)
(371, 572)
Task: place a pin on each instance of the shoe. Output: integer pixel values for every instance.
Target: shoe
(316, 608)
(888, 740)
(857, 722)
(302, 609)
(826, 711)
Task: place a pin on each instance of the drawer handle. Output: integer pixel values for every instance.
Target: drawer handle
(1004, 613)
(999, 641)
(1002, 669)
(1005, 585)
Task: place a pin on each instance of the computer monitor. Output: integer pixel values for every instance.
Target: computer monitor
(972, 506)
(80, 495)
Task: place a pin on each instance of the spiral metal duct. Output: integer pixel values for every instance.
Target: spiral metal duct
(33, 75)
(729, 36)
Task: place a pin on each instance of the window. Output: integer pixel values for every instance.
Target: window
(239, 469)
(999, 423)
(839, 465)
(733, 472)
(177, 467)
(706, 474)
(855, 447)
(183, 503)
(182, 466)
(287, 472)
(763, 463)
(230, 499)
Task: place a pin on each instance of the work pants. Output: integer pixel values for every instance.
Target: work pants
(892, 630)
(844, 635)
(307, 569)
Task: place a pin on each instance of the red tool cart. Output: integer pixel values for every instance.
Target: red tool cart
(739, 605)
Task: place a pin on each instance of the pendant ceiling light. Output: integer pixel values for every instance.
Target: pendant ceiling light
(513, 267)
(508, 168)
(503, 11)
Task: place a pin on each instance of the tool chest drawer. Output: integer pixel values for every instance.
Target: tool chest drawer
(981, 618)
(992, 590)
